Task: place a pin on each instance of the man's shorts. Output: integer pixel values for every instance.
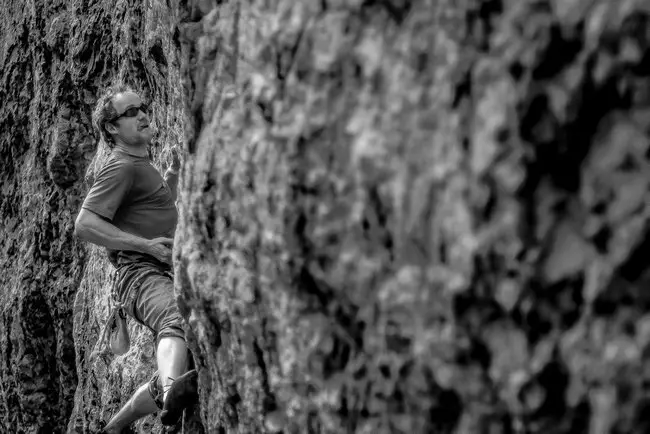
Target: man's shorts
(147, 293)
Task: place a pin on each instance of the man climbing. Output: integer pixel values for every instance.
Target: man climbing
(130, 210)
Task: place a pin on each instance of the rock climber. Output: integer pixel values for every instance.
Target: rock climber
(130, 210)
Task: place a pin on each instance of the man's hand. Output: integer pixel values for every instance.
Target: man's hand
(161, 249)
(171, 176)
(176, 159)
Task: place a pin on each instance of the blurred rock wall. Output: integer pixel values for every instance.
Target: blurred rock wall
(418, 217)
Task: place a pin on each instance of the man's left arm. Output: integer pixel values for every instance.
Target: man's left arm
(171, 175)
(171, 178)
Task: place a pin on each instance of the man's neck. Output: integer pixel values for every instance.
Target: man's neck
(136, 151)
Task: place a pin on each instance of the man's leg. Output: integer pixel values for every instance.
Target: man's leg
(139, 405)
(156, 309)
(171, 356)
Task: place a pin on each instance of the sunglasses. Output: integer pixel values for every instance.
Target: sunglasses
(132, 112)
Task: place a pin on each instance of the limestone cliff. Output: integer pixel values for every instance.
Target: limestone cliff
(395, 216)
(56, 56)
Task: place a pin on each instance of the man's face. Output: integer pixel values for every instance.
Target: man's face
(133, 130)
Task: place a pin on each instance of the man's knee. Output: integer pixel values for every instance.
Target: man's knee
(172, 353)
(171, 341)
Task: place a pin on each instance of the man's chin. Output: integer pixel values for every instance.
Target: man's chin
(147, 135)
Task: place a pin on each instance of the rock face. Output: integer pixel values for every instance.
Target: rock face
(56, 57)
(395, 216)
(418, 217)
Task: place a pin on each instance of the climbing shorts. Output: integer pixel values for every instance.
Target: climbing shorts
(147, 292)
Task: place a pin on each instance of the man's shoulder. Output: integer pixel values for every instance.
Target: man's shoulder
(120, 157)
(118, 161)
(115, 169)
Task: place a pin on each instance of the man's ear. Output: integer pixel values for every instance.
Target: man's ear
(112, 129)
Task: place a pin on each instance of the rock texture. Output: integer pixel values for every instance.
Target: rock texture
(395, 216)
(418, 217)
(56, 57)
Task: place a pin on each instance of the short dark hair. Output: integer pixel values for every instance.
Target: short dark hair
(105, 111)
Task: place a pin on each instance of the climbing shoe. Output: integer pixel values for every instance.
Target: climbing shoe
(182, 393)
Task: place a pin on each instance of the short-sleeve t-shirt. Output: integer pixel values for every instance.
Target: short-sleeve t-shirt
(130, 193)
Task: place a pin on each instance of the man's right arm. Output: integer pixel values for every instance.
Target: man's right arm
(95, 229)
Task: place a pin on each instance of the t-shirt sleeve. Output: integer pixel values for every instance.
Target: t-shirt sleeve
(110, 188)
